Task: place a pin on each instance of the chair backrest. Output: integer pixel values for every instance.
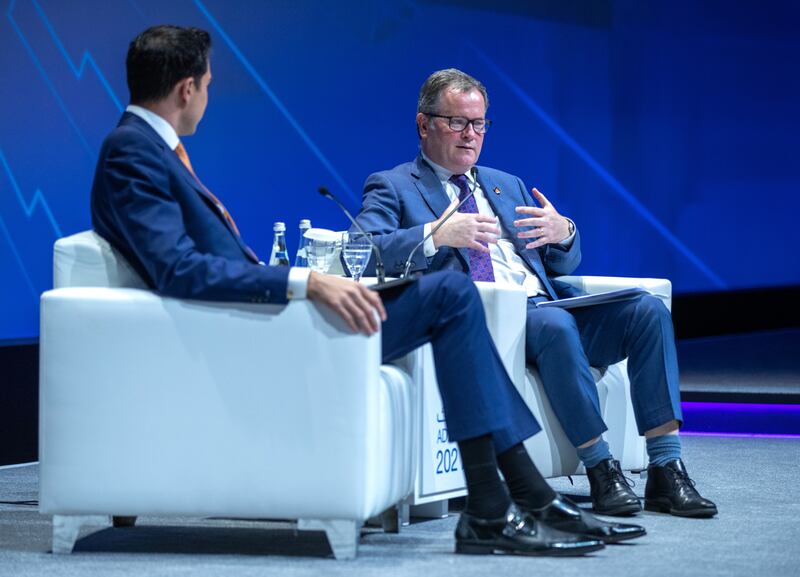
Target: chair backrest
(86, 259)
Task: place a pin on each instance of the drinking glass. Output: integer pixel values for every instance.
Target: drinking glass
(356, 249)
(320, 254)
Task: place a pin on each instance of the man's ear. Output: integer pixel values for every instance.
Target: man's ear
(185, 89)
(422, 125)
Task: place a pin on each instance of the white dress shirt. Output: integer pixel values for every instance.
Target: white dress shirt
(508, 266)
(298, 277)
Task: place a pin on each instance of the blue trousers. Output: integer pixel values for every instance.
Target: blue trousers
(444, 309)
(563, 344)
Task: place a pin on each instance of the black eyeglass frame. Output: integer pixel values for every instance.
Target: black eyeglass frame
(486, 122)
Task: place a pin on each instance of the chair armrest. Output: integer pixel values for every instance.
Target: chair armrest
(659, 287)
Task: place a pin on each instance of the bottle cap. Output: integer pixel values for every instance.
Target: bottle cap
(279, 227)
(305, 223)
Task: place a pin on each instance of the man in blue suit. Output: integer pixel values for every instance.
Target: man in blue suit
(500, 234)
(149, 203)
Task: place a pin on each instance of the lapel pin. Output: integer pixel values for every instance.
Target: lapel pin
(497, 190)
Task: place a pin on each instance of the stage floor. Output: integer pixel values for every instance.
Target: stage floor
(759, 367)
(752, 480)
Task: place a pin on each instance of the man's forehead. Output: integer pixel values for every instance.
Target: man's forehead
(455, 96)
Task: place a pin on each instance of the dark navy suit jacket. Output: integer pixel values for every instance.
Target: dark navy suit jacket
(155, 213)
(398, 202)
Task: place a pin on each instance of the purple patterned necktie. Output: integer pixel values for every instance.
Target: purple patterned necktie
(480, 263)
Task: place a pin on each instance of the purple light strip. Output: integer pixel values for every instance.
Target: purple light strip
(739, 435)
(747, 407)
(742, 420)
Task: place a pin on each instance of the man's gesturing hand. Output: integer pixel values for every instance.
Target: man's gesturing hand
(465, 230)
(550, 226)
(352, 301)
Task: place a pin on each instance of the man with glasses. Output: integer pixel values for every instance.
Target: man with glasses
(499, 234)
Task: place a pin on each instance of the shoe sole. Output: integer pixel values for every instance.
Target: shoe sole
(690, 513)
(625, 511)
(483, 549)
(619, 538)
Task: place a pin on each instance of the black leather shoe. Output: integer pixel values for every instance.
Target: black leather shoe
(564, 515)
(611, 491)
(518, 533)
(670, 490)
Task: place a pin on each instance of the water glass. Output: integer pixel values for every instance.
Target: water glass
(356, 249)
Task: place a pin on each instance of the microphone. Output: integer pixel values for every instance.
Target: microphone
(474, 171)
(378, 260)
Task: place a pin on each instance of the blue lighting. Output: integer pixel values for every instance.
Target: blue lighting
(259, 80)
(660, 162)
(741, 419)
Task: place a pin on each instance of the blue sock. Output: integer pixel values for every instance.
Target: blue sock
(593, 454)
(662, 449)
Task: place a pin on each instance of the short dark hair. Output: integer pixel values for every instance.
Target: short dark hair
(162, 56)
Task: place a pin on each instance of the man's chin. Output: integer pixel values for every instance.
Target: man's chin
(186, 129)
(465, 164)
(469, 155)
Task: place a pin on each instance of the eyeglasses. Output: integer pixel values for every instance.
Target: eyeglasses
(459, 123)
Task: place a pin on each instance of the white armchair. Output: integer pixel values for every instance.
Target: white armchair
(552, 452)
(158, 406)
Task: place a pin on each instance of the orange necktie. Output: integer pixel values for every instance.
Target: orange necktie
(181, 152)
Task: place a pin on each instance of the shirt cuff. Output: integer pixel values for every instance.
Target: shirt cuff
(297, 286)
(428, 248)
(567, 242)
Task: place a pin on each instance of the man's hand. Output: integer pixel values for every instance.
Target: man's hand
(465, 230)
(352, 301)
(550, 227)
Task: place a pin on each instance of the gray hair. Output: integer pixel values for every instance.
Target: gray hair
(448, 79)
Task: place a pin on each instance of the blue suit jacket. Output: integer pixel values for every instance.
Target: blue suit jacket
(154, 212)
(398, 202)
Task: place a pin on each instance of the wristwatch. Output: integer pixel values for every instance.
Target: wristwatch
(571, 227)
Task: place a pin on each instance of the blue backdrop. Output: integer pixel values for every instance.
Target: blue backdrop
(667, 130)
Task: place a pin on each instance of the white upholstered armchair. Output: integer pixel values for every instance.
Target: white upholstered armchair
(553, 453)
(157, 406)
(438, 479)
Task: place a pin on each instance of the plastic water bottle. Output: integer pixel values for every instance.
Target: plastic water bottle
(301, 259)
(279, 255)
